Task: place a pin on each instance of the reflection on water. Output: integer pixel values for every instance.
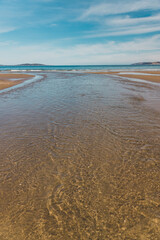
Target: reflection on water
(80, 158)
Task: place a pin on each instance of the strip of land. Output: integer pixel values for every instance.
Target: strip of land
(12, 79)
(150, 75)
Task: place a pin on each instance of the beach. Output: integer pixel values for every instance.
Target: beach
(11, 79)
(8, 80)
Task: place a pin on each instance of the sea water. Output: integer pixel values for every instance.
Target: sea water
(79, 67)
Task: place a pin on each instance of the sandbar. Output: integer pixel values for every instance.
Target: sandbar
(11, 79)
(150, 75)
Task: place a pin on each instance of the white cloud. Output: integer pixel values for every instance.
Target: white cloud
(134, 30)
(112, 21)
(6, 29)
(118, 7)
(127, 20)
(112, 52)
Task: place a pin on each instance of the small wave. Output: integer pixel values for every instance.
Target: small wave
(16, 70)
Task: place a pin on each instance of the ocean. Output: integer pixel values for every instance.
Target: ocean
(78, 67)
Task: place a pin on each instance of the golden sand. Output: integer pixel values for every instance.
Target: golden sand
(143, 77)
(6, 83)
(9, 80)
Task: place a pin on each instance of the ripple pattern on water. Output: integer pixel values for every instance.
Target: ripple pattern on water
(80, 159)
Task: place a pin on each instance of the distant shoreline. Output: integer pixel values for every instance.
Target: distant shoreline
(146, 64)
(50, 65)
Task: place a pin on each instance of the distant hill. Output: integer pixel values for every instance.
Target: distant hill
(26, 64)
(30, 64)
(146, 63)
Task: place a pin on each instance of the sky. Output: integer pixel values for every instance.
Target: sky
(79, 32)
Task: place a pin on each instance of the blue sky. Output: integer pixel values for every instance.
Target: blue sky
(62, 32)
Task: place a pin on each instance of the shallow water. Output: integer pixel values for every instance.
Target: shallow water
(80, 159)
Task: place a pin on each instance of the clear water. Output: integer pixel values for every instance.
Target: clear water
(80, 159)
(80, 67)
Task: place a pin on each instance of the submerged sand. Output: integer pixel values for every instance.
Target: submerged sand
(150, 75)
(80, 160)
(12, 79)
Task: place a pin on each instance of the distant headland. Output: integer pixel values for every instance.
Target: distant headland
(147, 63)
(40, 64)
(27, 64)
(30, 64)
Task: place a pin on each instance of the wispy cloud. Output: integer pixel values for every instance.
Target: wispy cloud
(48, 32)
(7, 29)
(111, 52)
(122, 18)
(127, 20)
(124, 31)
(118, 7)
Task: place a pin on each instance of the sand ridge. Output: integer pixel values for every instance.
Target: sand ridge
(138, 75)
(11, 79)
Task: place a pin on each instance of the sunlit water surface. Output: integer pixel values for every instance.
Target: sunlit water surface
(80, 159)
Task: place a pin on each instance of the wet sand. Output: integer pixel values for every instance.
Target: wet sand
(12, 79)
(80, 160)
(139, 75)
(143, 77)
